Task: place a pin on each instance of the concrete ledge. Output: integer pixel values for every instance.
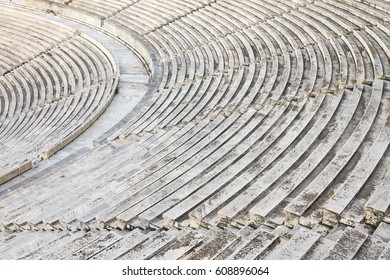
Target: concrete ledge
(15, 171)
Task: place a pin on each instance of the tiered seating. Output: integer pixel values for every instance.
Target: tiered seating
(50, 94)
(38, 41)
(215, 243)
(270, 117)
(101, 8)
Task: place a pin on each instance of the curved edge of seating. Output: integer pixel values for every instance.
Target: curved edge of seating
(58, 145)
(54, 146)
(150, 59)
(143, 50)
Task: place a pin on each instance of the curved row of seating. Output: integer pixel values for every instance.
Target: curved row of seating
(341, 243)
(266, 114)
(21, 46)
(49, 95)
(101, 8)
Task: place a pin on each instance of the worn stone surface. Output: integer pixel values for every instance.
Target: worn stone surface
(231, 130)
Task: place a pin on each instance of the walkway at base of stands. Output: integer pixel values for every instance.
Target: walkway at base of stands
(276, 115)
